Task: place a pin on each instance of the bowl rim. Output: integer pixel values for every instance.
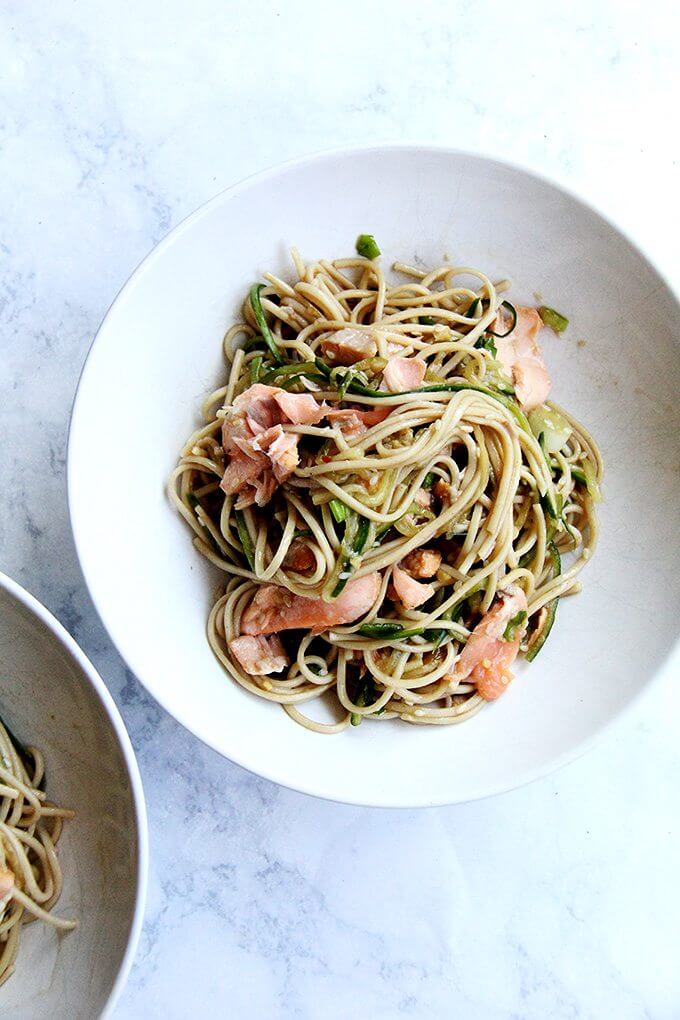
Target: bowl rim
(145, 265)
(69, 644)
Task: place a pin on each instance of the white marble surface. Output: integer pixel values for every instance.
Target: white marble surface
(560, 900)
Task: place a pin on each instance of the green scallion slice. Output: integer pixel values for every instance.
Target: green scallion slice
(262, 323)
(367, 246)
(557, 322)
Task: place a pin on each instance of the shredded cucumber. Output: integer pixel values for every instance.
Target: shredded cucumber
(550, 424)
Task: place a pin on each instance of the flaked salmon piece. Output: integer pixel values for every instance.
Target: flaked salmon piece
(6, 883)
(488, 655)
(299, 556)
(252, 431)
(348, 346)
(354, 421)
(403, 374)
(260, 491)
(259, 406)
(259, 655)
(281, 450)
(422, 562)
(242, 470)
(260, 452)
(411, 593)
(300, 408)
(520, 355)
(234, 427)
(423, 499)
(274, 608)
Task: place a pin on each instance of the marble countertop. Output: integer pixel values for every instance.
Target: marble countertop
(559, 900)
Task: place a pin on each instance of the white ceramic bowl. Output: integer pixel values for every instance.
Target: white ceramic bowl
(52, 697)
(158, 352)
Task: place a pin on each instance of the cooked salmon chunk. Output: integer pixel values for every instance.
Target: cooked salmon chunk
(403, 374)
(348, 346)
(521, 356)
(492, 648)
(259, 655)
(274, 608)
(411, 593)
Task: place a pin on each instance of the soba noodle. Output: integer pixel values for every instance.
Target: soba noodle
(30, 827)
(502, 507)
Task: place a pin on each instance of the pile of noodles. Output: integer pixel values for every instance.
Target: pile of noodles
(515, 510)
(30, 827)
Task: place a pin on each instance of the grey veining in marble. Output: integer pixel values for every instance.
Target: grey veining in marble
(560, 900)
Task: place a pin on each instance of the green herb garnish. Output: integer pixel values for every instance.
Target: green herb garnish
(389, 631)
(255, 366)
(558, 323)
(510, 631)
(245, 539)
(367, 246)
(366, 696)
(486, 343)
(338, 509)
(262, 323)
(352, 545)
(539, 638)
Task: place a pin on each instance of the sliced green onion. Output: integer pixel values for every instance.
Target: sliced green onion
(253, 342)
(586, 476)
(323, 367)
(343, 377)
(474, 310)
(539, 639)
(510, 631)
(486, 343)
(453, 613)
(338, 509)
(496, 378)
(552, 507)
(429, 480)
(452, 387)
(245, 539)
(389, 631)
(305, 369)
(255, 366)
(513, 313)
(353, 542)
(558, 323)
(262, 323)
(368, 694)
(427, 320)
(591, 482)
(367, 246)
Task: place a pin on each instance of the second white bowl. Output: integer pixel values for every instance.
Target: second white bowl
(52, 697)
